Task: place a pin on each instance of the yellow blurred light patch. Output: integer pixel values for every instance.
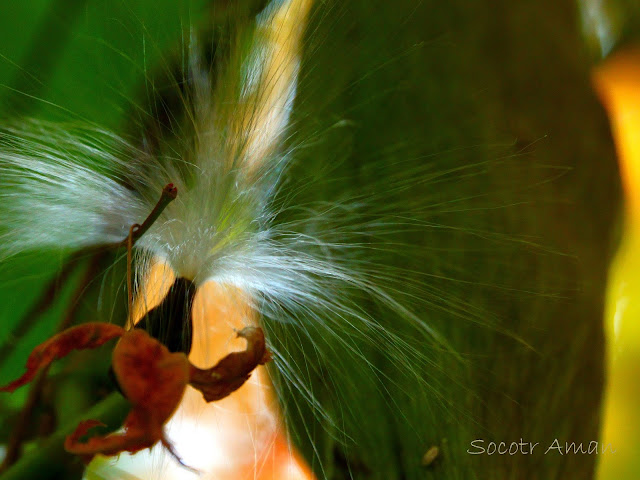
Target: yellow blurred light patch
(618, 84)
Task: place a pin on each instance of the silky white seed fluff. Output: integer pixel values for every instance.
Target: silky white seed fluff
(67, 186)
(70, 186)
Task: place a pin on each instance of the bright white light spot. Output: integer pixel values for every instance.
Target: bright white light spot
(596, 21)
(621, 306)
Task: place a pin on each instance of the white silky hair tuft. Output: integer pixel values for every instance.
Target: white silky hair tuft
(69, 186)
(315, 269)
(60, 187)
(371, 183)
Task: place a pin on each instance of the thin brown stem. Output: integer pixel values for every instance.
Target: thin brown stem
(41, 305)
(169, 194)
(134, 228)
(19, 432)
(14, 447)
(46, 299)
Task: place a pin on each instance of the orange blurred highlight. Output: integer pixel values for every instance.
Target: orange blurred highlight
(618, 84)
(241, 436)
(157, 283)
(280, 463)
(263, 112)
